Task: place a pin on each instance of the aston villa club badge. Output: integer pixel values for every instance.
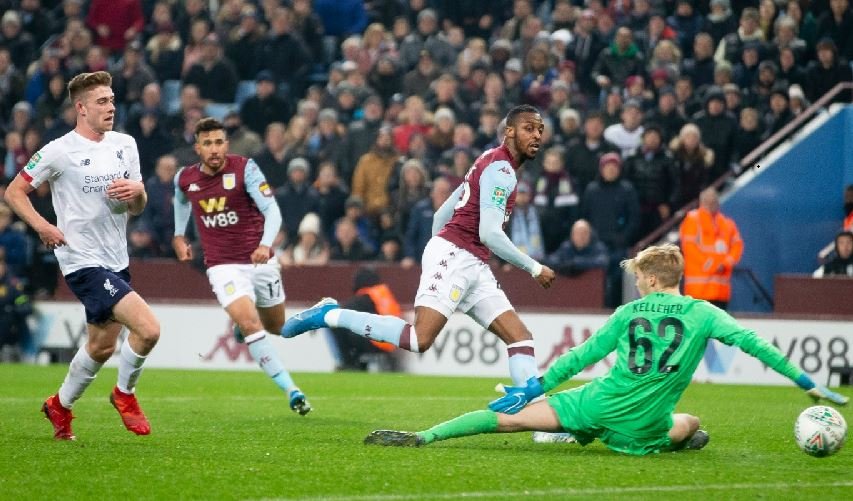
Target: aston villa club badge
(229, 181)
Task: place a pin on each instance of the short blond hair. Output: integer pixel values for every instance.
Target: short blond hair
(663, 261)
(87, 81)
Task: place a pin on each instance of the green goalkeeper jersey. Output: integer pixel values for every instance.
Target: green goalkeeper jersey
(659, 341)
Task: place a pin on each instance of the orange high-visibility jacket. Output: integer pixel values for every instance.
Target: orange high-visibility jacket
(386, 304)
(712, 247)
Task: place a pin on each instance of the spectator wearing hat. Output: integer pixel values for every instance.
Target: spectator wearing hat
(779, 115)
(310, 247)
(326, 144)
(693, 161)
(440, 138)
(296, 198)
(584, 50)
(837, 25)
(285, 55)
(719, 130)
(719, 22)
(618, 61)
(700, 67)
(797, 100)
(731, 46)
(20, 43)
(115, 22)
(656, 179)
(265, 107)
(243, 43)
(374, 168)
(666, 114)
(829, 70)
(214, 75)
(611, 206)
(626, 135)
(568, 124)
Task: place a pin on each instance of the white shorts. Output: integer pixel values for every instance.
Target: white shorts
(261, 283)
(454, 279)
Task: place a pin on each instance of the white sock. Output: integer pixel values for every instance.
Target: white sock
(81, 373)
(522, 362)
(332, 317)
(129, 368)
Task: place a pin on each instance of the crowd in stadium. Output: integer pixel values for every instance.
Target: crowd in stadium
(365, 115)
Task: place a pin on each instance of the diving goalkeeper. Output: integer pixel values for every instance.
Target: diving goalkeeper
(659, 341)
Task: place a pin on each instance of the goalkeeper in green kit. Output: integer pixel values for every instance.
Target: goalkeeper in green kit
(659, 341)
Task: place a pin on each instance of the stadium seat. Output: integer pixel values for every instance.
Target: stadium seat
(172, 95)
(245, 90)
(219, 110)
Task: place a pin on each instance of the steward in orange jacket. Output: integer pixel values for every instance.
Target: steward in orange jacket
(712, 247)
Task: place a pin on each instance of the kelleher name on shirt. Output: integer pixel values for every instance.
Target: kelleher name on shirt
(666, 309)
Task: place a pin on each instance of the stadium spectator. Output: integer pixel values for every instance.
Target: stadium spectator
(11, 83)
(412, 185)
(693, 161)
(238, 257)
(841, 263)
(584, 50)
(241, 140)
(790, 71)
(719, 21)
(712, 247)
(687, 102)
(719, 130)
(264, 107)
(91, 265)
(115, 23)
(619, 61)
(418, 229)
(750, 133)
(730, 47)
(13, 243)
(164, 52)
(15, 308)
(611, 206)
(310, 247)
(656, 179)
(627, 134)
(347, 245)
(523, 227)
(296, 197)
(779, 115)
(837, 25)
(159, 214)
(273, 157)
(666, 114)
(151, 100)
(580, 252)
(583, 153)
(827, 71)
(806, 23)
(700, 67)
(214, 75)
(131, 74)
(687, 23)
(615, 408)
(152, 140)
(556, 197)
(370, 295)
(20, 43)
(243, 42)
(374, 169)
(734, 98)
(331, 198)
(285, 55)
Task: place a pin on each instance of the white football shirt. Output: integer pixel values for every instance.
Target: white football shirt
(79, 172)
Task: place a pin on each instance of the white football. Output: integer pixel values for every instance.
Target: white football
(820, 431)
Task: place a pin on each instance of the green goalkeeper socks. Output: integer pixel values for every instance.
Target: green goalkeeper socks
(472, 423)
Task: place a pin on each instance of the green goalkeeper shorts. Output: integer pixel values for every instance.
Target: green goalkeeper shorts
(588, 418)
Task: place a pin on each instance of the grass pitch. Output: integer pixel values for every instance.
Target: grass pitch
(231, 435)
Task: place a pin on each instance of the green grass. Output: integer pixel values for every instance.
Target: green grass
(230, 435)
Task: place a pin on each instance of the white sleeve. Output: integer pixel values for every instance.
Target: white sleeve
(133, 167)
(43, 165)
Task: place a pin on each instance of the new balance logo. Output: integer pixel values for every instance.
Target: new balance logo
(110, 288)
(85, 162)
(193, 187)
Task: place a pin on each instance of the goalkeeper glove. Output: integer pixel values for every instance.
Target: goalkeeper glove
(818, 392)
(517, 396)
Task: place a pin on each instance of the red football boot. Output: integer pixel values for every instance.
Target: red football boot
(131, 415)
(59, 417)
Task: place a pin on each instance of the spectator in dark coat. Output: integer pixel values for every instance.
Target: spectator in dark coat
(556, 197)
(580, 252)
(779, 115)
(583, 154)
(719, 130)
(656, 179)
(265, 107)
(214, 75)
(159, 212)
(823, 74)
(296, 198)
(331, 197)
(285, 54)
(618, 61)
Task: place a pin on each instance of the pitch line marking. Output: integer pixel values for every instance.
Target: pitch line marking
(588, 491)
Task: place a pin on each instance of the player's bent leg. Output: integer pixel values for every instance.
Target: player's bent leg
(428, 325)
(272, 318)
(134, 313)
(539, 416)
(520, 351)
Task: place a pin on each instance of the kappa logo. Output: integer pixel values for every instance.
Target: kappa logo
(433, 288)
(443, 263)
(193, 187)
(85, 162)
(437, 276)
(110, 288)
(505, 170)
(368, 329)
